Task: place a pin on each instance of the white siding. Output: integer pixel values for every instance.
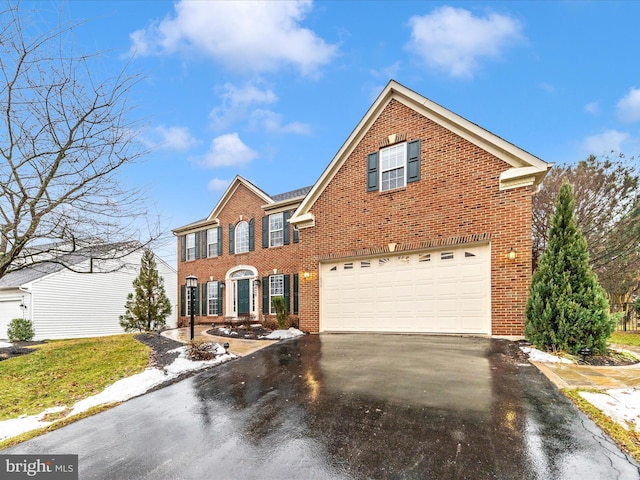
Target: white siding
(73, 305)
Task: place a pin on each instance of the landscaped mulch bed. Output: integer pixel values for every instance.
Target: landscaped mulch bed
(160, 347)
(254, 332)
(613, 359)
(17, 349)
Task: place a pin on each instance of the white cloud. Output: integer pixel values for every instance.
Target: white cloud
(172, 138)
(272, 122)
(629, 107)
(217, 184)
(593, 107)
(453, 40)
(227, 151)
(606, 142)
(237, 101)
(250, 35)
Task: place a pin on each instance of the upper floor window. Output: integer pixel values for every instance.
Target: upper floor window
(276, 230)
(393, 167)
(242, 237)
(212, 242)
(191, 246)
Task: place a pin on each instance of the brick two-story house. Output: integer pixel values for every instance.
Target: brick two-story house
(420, 223)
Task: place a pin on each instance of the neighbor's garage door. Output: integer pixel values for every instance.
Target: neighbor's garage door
(444, 291)
(9, 309)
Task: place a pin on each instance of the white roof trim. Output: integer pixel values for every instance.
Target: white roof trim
(509, 153)
(237, 181)
(520, 177)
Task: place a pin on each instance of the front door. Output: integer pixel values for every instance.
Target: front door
(243, 297)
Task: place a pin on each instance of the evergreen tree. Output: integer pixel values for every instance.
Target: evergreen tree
(567, 308)
(148, 309)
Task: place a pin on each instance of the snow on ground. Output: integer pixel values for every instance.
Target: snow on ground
(621, 405)
(118, 392)
(536, 355)
(282, 334)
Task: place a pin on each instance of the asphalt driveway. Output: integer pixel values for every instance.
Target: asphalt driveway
(349, 407)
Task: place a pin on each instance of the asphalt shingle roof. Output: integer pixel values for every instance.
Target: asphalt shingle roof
(300, 192)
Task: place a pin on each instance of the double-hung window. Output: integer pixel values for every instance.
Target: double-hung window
(276, 289)
(212, 298)
(212, 242)
(242, 237)
(276, 230)
(393, 169)
(188, 300)
(191, 246)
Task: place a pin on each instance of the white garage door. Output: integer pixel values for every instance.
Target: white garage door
(444, 291)
(9, 309)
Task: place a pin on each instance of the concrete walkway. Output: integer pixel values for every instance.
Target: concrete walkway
(237, 346)
(601, 378)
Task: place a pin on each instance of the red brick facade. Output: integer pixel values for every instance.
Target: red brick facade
(458, 199)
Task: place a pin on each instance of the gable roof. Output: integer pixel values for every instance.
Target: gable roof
(62, 261)
(526, 169)
(278, 201)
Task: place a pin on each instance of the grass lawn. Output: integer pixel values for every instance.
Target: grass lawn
(61, 372)
(625, 338)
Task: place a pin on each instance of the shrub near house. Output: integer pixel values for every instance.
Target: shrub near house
(567, 309)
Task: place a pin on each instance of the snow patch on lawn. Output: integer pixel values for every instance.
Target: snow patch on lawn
(621, 405)
(282, 334)
(118, 392)
(536, 355)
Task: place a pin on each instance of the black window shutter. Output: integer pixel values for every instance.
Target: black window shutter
(413, 161)
(285, 226)
(219, 241)
(183, 300)
(287, 297)
(296, 305)
(219, 311)
(265, 295)
(230, 239)
(205, 243)
(183, 248)
(296, 235)
(265, 231)
(252, 235)
(197, 240)
(196, 303)
(372, 172)
(204, 305)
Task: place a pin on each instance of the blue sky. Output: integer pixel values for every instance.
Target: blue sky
(271, 90)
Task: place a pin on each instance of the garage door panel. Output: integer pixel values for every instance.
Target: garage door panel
(445, 291)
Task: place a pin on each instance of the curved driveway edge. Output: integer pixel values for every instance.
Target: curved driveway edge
(350, 407)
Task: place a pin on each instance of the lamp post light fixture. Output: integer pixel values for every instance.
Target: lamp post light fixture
(192, 284)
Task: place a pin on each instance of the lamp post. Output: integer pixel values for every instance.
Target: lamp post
(192, 284)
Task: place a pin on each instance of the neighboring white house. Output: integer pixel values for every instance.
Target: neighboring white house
(65, 304)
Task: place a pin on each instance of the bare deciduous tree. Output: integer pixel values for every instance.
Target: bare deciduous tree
(607, 199)
(65, 136)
